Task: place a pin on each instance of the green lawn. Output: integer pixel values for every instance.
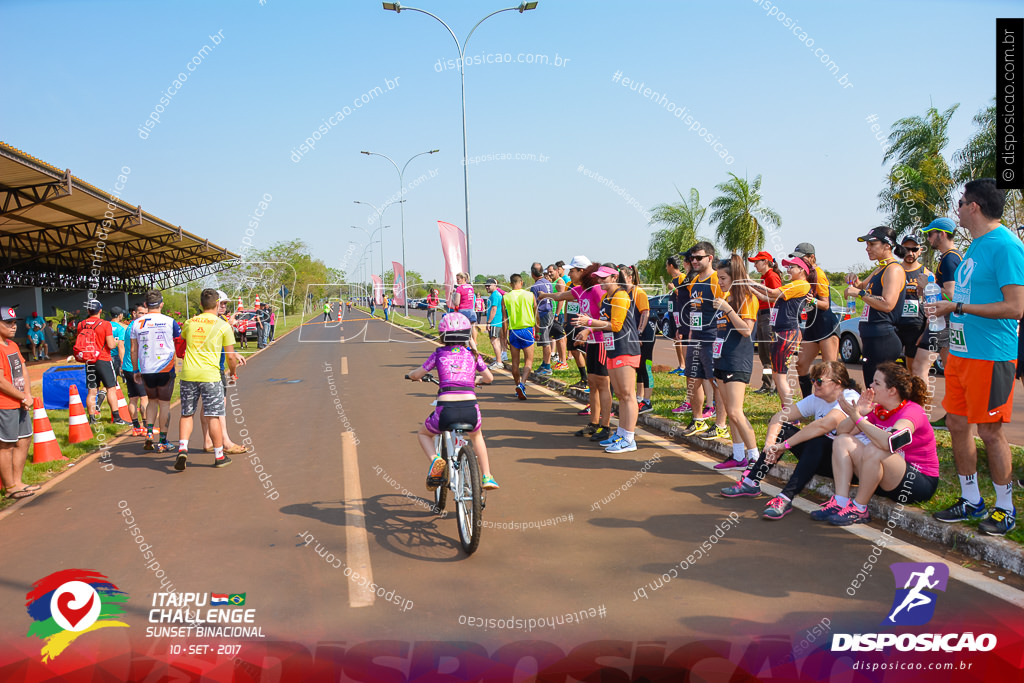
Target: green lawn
(670, 390)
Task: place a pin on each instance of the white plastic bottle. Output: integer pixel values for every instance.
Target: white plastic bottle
(933, 295)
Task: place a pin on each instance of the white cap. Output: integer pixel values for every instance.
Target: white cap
(579, 262)
(221, 296)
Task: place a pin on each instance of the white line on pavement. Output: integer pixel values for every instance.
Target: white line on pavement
(357, 547)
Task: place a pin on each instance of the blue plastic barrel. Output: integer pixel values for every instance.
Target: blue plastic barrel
(57, 383)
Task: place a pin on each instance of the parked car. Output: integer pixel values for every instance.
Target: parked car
(419, 304)
(850, 347)
(659, 310)
(245, 325)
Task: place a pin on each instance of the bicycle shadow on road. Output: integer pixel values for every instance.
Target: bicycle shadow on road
(401, 525)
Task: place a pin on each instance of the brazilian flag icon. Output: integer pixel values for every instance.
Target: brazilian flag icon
(237, 599)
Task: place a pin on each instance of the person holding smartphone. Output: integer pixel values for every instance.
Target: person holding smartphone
(888, 442)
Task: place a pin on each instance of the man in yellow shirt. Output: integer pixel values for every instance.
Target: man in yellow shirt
(205, 335)
(520, 317)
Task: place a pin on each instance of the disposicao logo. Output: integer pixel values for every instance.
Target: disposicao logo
(916, 583)
(914, 605)
(70, 603)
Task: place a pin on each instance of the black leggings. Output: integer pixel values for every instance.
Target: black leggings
(645, 373)
(878, 350)
(813, 457)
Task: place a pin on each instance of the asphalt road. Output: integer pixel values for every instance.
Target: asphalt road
(603, 535)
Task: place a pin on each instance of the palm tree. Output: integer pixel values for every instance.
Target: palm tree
(740, 216)
(682, 220)
(920, 183)
(977, 159)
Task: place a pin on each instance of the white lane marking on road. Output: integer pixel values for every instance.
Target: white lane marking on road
(357, 546)
(344, 365)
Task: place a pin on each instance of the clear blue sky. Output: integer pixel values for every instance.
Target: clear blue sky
(82, 77)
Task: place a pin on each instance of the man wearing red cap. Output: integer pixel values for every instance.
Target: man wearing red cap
(771, 277)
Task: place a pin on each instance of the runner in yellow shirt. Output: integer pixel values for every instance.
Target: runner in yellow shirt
(205, 336)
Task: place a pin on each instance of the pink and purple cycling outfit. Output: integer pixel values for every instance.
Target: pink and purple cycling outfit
(456, 372)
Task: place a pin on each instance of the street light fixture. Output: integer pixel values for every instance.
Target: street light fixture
(397, 8)
(369, 236)
(401, 190)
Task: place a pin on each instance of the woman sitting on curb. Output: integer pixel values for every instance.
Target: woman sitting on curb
(812, 445)
(908, 474)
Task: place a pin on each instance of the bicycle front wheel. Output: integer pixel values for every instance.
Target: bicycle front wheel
(469, 500)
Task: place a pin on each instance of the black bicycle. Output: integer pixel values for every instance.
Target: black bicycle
(462, 478)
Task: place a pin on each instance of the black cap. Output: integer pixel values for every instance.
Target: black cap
(116, 311)
(880, 234)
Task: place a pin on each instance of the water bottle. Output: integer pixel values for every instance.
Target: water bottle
(933, 295)
(851, 308)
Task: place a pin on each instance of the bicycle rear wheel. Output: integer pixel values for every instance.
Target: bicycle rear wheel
(441, 492)
(469, 500)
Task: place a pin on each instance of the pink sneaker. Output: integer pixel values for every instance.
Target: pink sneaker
(684, 407)
(731, 464)
(709, 413)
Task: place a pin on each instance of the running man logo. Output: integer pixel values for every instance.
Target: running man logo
(916, 583)
(70, 603)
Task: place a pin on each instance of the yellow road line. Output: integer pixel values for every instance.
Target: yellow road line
(357, 546)
(344, 365)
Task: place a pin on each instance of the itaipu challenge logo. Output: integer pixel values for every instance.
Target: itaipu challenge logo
(71, 603)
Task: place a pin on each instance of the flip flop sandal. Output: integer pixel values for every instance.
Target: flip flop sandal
(19, 494)
(33, 487)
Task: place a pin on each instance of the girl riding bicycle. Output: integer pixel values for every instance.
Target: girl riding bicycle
(457, 367)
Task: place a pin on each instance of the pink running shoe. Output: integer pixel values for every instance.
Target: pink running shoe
(731, 464)
(684, 407)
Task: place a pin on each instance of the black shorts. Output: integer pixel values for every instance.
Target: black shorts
(100, 372)
(159, 385)
(934, 341)
(557, 330)
(915, 487)
(727, 376)
(824, 325)
(909, 334)
(700, 363)
(135, 389)
(594, 364)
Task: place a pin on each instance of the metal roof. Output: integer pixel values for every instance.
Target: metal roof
(52, 224)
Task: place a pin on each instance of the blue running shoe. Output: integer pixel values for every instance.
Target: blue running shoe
(623, 445)
(961, 511)
(999, 522)
(610, 440)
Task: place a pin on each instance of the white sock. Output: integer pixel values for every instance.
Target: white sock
(842, 500)
(628, 436)
(1004, 496)
(860, 507)
(737, 452)
(183, 445)
(752, 454)
(619, 431)
(969, 488)
(750, 482)
(218, 452)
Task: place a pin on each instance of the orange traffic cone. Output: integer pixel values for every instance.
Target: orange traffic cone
(256, 304)
(240, 306)
(78, 422)
(44, 441)
(122, 406)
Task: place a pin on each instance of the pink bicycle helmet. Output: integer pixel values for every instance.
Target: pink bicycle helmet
(454, 328)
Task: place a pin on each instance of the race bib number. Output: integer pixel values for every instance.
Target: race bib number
(675, 319)
(669, 306)
(572, 308)
(716, 349)
(957, 339)
(696, 321)
(609, 342)
(866, 312)
(911, 308)
(772, 316)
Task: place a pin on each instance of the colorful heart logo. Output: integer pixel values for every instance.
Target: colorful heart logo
(74, 616)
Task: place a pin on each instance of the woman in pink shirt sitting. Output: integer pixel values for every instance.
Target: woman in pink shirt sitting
(906, 471)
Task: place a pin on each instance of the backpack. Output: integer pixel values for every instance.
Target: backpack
(85, 349)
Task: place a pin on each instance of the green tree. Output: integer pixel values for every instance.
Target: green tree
(284, 273)
(740, 215)
(681, 220)
(977, 159)
(920, 184)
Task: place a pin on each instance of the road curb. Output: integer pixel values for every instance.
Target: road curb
(965, 540)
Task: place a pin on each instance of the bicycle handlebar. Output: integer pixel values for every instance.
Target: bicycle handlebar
(427, 378)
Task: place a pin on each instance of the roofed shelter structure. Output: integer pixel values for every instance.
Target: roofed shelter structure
(62, 238)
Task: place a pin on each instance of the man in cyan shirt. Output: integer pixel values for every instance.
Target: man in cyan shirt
(988, 300)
